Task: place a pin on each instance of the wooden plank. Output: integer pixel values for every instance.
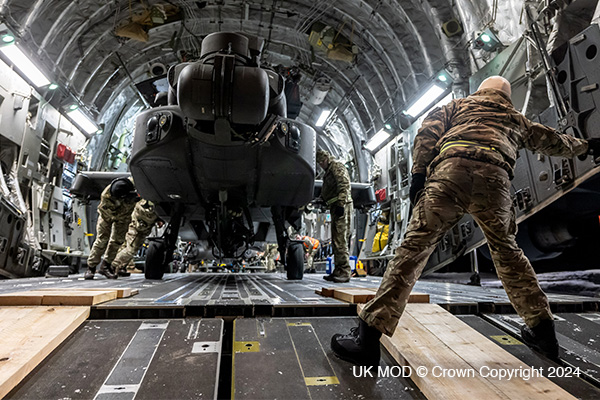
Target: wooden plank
(429, 336)
(354, 295)
(478, 351)
(121, 292)
(58, 298)
(412, 345)
(78, 298)
(24, 344)
(416, 297)
(8, 317)
(362, 295)
(28, 298)
(328, 291)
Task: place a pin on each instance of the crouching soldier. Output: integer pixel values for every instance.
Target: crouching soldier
(142, 220)
(114, 214)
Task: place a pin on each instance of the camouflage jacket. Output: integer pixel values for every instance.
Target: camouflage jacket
(144, 215)
(336, 184)
(112, 208)
(488, 119)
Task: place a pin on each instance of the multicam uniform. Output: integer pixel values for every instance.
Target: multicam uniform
(271, 250)
(469, 148)
(336, 192)
(114, 216)
(310, 247)
(142, 220)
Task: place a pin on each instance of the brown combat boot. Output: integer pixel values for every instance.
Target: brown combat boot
(106, 270)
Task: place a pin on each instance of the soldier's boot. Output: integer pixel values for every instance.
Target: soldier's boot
(360, 346)
(89, 274)
(123, 272)
(542, 338)
(337, 277)
(106, 270)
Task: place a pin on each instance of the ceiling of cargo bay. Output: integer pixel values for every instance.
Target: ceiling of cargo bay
(363, 60)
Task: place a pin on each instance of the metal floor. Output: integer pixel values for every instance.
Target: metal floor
(259, 336)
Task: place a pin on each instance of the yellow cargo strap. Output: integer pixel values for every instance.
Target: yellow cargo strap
(464, 143)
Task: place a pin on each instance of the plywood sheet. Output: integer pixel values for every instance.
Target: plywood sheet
(26, 341)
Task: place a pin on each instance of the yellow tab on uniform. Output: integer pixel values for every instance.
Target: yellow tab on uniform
(246, 347)
(505, 339)
(464, 143)
(321, 381)
(88, 234)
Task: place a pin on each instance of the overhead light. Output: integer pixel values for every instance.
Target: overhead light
(388, 127)
(73, 107)
(24, 64)
(323, 118)
(442, 78)
(425, 101)
(82, 120)
(8, 38)
(53, 86)
(377, 140)
(487, 40)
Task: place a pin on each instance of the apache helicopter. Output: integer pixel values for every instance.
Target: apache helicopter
(221, 158)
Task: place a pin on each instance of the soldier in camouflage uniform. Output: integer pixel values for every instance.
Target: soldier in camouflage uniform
(336, 194)
(271, 250)
(114, 214)
(142, 220)
(310, 248)
(463, 161)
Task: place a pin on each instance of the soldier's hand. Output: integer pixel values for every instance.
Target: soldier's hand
(416, 186)
(338, 211)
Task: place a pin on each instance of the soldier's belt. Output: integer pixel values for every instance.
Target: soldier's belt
(465, 143)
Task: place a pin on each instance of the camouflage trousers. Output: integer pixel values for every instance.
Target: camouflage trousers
(459, 186)
(270, 253)
(110, 234)
(310, 255)
(340, 228)
(133, 241)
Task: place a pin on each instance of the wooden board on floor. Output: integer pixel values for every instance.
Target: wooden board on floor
(57, 298)
(29, 335)
(429, 336)
(328, 291)
(121, 292)
(358, 295)
(29, 298)
(354, 295)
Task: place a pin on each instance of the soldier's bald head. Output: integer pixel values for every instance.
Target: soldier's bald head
(498, 83)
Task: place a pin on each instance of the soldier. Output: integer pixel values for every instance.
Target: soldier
(114, 213)
(337, 196)
(463, 161)
(271, 250)
(310, 248)
(142, 221)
